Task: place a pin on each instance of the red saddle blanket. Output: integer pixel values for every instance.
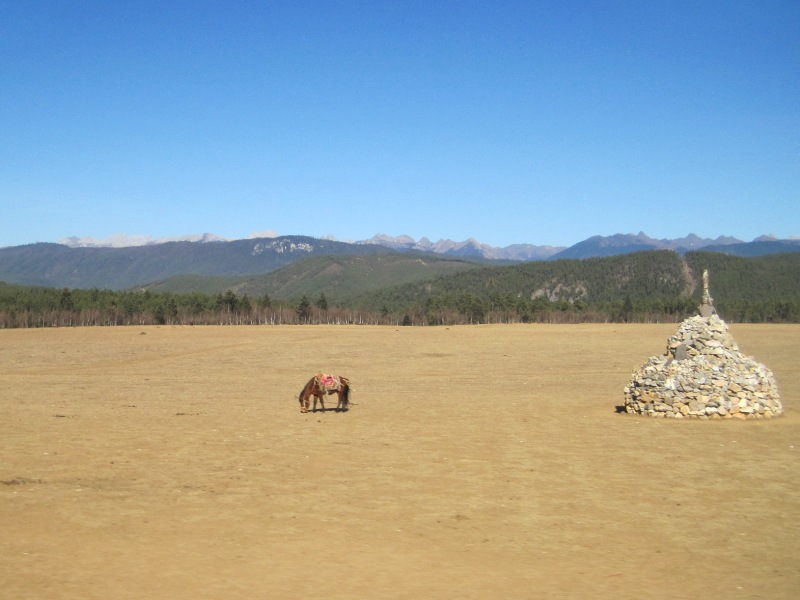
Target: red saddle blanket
(329, 382)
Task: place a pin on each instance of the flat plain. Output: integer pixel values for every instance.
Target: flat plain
(476, 462)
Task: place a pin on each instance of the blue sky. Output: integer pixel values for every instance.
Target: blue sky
(509, 122)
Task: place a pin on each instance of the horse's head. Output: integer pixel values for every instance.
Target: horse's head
(305, 396)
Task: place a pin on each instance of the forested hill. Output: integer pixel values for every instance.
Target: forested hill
(652, 274)
(653, 282)
(339, 277)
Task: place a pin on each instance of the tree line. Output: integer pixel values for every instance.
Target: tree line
(22, 306)
(27, 306)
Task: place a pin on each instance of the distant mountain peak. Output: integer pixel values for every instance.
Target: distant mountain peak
(470, 248)
(624, 243)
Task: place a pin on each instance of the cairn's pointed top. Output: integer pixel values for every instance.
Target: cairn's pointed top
(707, 306)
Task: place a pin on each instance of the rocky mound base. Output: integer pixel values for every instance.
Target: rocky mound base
(703, 376)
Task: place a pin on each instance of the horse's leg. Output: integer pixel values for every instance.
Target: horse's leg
(303, 405)
(326, 393)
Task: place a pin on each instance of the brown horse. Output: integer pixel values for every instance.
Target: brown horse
(319, 386)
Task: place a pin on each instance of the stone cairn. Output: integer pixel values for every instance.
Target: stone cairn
(703, 375)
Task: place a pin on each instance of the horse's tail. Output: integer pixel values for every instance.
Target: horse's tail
(345, 392)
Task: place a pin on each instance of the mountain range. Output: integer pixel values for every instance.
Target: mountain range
(594, 246)
(86, 263)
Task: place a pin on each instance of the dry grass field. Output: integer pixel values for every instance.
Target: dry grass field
(478, 462)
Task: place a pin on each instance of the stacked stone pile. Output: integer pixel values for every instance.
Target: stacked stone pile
(703, 376)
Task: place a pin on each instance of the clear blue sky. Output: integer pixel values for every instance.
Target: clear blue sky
(539, 122)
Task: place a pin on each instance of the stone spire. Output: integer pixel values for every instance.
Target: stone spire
(707, 305)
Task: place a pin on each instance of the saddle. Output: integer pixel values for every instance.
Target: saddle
(328, 382)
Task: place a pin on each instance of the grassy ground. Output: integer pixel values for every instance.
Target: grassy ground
(478, 462)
